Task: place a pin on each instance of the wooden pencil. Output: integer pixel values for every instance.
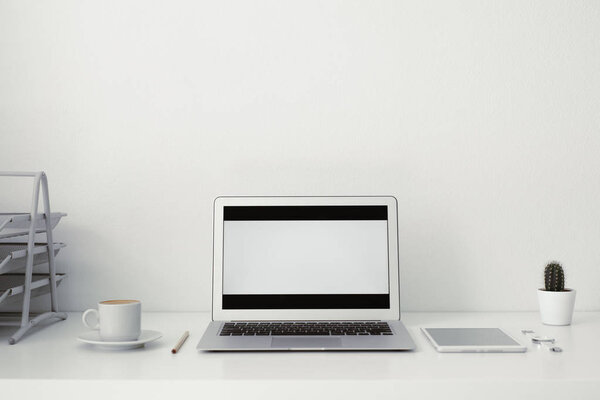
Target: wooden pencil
(180, 342)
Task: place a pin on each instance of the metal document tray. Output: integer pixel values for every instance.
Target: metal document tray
(17, 224)
(13, 256)
(13, 285)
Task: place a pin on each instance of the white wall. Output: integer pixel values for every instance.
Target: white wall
(482, 117)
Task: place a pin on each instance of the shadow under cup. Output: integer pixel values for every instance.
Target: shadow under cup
(118, 320)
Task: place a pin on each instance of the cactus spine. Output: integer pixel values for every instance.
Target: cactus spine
(554, 277)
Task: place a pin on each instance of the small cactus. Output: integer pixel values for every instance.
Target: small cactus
(554, 277)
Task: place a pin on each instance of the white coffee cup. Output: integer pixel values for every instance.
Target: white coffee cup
(117, 320)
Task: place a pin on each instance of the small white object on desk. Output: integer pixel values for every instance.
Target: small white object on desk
(544, 341)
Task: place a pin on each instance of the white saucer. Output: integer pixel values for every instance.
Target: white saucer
(93, 337)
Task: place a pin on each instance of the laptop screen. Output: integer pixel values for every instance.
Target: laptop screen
(305, 257)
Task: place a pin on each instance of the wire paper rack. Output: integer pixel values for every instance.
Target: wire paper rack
(19, 251)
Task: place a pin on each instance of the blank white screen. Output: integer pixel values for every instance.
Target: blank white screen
(305, 257)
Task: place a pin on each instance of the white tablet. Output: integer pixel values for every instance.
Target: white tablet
(472, 340)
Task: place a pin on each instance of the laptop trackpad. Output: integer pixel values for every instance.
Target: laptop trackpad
(305, 342)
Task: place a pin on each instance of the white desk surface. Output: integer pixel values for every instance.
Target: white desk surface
(52, 356)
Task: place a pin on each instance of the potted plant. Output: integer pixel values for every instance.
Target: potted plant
(556, 302)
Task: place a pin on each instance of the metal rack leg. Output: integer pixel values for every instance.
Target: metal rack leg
(50, 243)
(35, 321)
(30, 244)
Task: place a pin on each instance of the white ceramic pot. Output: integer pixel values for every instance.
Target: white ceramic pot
(556, 308)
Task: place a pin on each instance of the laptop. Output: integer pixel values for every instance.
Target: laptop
(305, 273)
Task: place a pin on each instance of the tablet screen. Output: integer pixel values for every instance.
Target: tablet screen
(470, 337)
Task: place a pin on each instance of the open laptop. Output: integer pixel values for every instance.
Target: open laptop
(305, 273)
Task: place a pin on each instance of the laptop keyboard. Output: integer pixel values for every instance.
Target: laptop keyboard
(342, 328)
